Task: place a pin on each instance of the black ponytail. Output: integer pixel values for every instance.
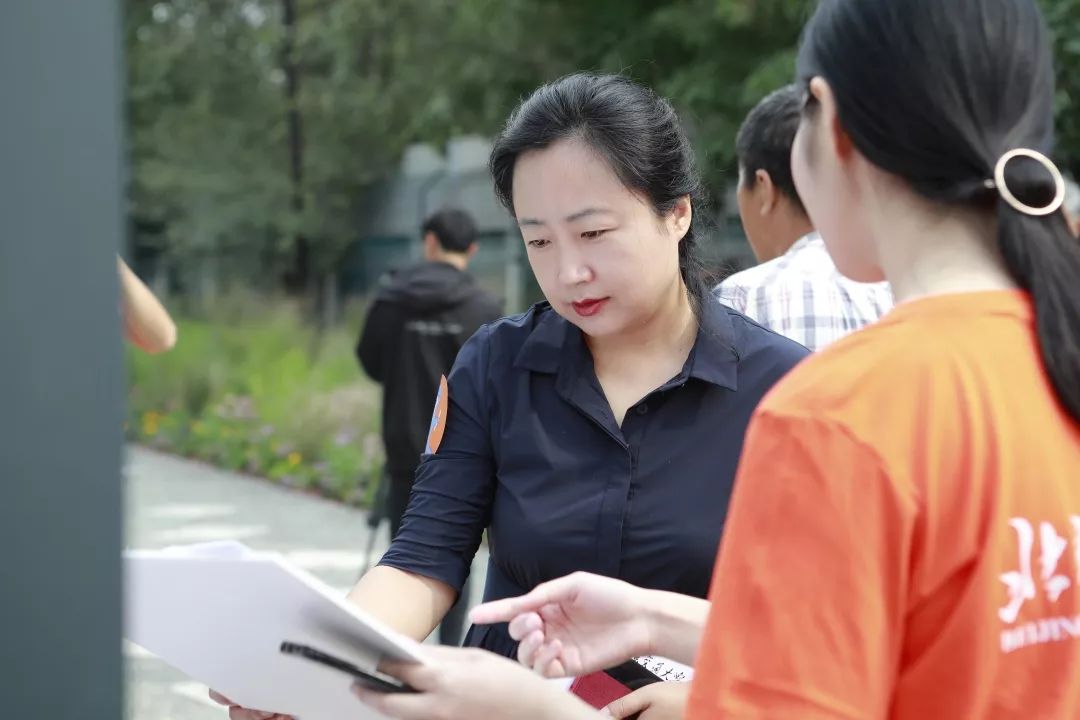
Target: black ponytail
(936, 92)
(1043, 257)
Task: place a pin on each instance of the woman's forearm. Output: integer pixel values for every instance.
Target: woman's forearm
(411, 604)
(146, 322)
(677, 623)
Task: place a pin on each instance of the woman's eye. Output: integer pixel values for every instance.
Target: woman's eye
(539, 243)
(592, 234)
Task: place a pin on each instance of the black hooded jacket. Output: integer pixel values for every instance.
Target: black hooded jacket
(421, 317)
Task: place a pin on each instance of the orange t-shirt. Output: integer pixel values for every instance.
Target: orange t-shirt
(904, 537)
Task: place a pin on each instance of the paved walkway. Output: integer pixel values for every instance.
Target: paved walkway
(171, 501)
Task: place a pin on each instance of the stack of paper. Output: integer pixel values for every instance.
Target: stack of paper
(219, 614)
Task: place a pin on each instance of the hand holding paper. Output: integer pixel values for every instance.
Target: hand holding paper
(466, 684)
(220, 613)
(239, 713)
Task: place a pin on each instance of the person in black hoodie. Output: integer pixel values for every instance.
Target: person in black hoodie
(421, 317)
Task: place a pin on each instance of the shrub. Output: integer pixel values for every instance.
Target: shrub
(258, 391)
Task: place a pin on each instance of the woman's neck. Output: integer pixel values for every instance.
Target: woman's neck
(669, 331)
(924, 251)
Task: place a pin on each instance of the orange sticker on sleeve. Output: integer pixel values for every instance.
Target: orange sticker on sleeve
(438, 418)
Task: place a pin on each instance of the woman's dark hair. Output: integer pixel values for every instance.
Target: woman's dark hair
(634, 130)
(935, 92)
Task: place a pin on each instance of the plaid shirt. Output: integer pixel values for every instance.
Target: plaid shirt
(801, 295)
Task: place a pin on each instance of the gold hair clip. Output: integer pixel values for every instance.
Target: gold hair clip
(1002, 187)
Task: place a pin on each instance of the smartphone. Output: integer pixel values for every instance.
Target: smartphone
(633, 675)
(371, 681)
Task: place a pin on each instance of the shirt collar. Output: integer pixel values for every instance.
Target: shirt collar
(542, 351)
(714, 359)
(804, 242)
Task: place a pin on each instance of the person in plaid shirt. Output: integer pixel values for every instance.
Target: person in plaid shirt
(796, 290)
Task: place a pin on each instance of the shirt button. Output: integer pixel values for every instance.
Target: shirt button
(642, 409)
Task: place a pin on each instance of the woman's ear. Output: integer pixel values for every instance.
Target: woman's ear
(680, 217)
(839, 140)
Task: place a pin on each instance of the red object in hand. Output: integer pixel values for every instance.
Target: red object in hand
(598, 689)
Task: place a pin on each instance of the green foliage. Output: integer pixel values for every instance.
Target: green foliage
(262, 394)
(256, 389)
(208, 101)
(714, 58)
(1064, 19)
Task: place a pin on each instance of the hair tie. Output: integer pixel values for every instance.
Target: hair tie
(998, 183)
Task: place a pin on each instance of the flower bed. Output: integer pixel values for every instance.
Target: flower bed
(262, 396)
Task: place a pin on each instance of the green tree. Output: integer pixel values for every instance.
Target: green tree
(223, 98)
(1064, 19)
(205, 126)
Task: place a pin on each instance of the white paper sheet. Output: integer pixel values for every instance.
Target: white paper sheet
(666, 669)
(219, 612)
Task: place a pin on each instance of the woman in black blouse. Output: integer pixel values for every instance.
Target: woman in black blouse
(599, 430)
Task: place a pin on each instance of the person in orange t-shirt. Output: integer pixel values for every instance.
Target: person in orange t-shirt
(904, 536)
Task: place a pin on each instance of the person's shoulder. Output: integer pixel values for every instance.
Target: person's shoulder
(768, 290)
(502, 339)
(511, 328)
(749, 280)
(394, 283)
(871, 372)
(404, 273)
(777, 281)
(754, 342)
(757, 356)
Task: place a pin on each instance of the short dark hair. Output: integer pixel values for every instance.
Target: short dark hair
(765, 139)
(454, 229)
(633, 129)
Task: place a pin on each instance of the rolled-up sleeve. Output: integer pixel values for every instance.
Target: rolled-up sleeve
(452, 495)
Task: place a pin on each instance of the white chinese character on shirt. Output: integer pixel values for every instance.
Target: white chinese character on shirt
(1020, 584)
(1053, 547)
